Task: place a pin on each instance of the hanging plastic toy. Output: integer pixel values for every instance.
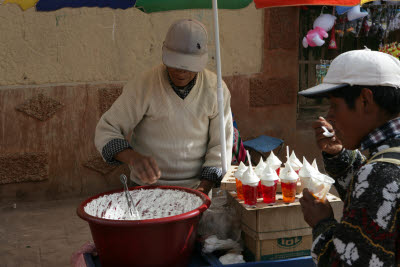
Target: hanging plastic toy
(367, 25)
(321, 26)
(332, 42)
(382, 28)
(339, 27)
(351, 27)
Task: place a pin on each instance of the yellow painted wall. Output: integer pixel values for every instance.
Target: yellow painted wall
(96, 45)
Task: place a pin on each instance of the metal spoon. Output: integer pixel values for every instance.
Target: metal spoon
(131, 205)
(326, 132)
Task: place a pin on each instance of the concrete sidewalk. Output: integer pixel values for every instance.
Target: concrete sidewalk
(42, 233)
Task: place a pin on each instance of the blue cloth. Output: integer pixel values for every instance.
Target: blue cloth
(51, 5)
(263, 143)
(343, 9)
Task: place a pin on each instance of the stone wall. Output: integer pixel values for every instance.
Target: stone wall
(102, 44)
(47, 145)
(61, 70)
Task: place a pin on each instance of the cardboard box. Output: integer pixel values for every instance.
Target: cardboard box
(278, 248)
(277, 231)
(229, 182)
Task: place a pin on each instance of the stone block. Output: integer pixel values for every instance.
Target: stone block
(282, 27)
(265, 92)
(23, 167)
(96, 163)
(107, 96)
(40, 107)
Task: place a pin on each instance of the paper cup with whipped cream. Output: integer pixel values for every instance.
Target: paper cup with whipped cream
(289, 183)
(250, 183)
(319, 185)
(238, 176)
(295, 162)
(269, 180)
(314, 165)
(274, 162)
(305, 174)
(259, 169)
(284, 170)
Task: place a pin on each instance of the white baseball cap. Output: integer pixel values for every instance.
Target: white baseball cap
(185, 46)
(358, 67)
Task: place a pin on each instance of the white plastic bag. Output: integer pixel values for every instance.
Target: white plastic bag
(231, 258)
(212, 243)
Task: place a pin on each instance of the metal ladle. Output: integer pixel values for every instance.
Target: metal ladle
(131, 205)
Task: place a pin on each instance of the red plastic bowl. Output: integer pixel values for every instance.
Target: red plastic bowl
(165, 241)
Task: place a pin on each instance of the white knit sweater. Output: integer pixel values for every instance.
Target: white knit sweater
(182, 135)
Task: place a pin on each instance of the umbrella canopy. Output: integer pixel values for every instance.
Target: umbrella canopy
(147, 6)
(277, 3)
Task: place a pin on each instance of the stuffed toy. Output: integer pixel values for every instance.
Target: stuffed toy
(322, 25)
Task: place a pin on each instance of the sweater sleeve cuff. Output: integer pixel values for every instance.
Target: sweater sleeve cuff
(338, 164)
(213, 174)
(322, 226)
(112, 148)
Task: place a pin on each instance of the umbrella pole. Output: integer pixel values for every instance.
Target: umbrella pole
(220, 93)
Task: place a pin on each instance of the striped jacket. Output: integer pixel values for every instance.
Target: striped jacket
(368, 233)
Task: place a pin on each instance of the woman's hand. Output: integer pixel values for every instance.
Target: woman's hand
(144, 167)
